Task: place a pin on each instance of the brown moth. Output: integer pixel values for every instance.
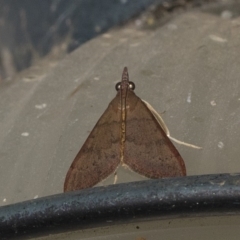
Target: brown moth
(127, 133)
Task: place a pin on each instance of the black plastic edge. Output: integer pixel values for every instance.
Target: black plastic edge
(102, 206)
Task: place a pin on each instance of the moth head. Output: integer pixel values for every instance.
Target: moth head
(131, 86)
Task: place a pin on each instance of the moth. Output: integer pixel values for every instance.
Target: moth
(127, 133)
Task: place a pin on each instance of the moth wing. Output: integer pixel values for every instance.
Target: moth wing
(148, 151)
(99, 155)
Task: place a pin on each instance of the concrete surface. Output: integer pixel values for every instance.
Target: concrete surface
(188, 69)
(197, 228)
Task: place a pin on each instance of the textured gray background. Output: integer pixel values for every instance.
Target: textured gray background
(188, 68)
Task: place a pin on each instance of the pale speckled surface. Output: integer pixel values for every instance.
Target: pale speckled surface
(190, 71)
(197, 228)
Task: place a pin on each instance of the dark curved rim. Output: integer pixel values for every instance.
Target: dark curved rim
(102, 206)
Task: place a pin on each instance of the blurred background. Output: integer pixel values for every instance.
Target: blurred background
(32, 30)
